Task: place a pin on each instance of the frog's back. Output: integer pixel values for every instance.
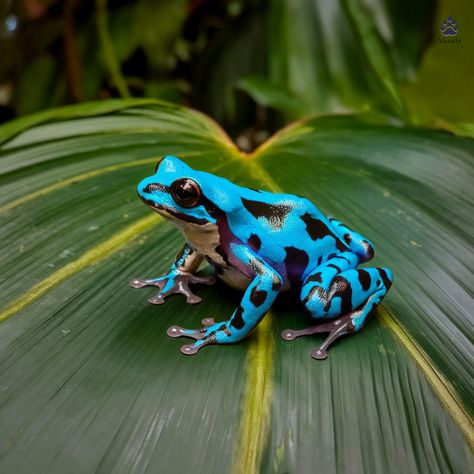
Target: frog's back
(285, 230)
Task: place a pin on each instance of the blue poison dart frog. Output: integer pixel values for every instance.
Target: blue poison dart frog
(262, 243)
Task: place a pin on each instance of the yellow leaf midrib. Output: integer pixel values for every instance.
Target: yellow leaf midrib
(90, 257)
(440, 385)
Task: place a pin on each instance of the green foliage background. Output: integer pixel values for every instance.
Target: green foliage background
(278, 60)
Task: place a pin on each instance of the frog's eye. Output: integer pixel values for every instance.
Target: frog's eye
(185, 192)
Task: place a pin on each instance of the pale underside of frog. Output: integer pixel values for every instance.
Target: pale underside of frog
(262, 243)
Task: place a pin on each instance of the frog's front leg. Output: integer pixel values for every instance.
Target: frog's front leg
(257, 300)
(177, 280)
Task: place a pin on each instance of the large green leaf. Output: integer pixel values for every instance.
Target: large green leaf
(91, 383)
(346, 54)
(304, 57)
(438, 95)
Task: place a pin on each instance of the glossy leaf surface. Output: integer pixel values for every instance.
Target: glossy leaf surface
(90, 381)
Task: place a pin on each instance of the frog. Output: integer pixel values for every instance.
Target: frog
(261, 243)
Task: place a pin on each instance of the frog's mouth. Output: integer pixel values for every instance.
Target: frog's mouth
(170, 213)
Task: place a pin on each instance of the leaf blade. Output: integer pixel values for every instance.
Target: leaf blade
(112, 377)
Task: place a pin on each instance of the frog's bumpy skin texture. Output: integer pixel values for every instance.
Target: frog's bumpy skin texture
(262, 243)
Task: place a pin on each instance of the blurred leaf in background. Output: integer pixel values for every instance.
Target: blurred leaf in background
(154, 27)
(269, 94)
(40, 86)
(343, 55)
(233, 46)
(252, 65)
(442, 93)
(52, 51)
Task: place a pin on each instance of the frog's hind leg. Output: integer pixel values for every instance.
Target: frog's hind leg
(348, 297)
(340, 326)
(358, 244)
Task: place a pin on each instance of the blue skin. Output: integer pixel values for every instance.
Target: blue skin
(262, 243)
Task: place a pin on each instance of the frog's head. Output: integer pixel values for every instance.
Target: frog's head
(184, 195)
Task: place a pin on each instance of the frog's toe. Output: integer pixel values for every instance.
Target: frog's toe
(191, 298)
(178, 287)
(181, 285)
(319, 354)
(174, 331)
(172, 284)
(197, 334)
(142, 282)
(138, 282)
(291, 334)
(336, 328)
(288, 334)
(191, 349)
(177, 331)
(157, 299)
(206, 322)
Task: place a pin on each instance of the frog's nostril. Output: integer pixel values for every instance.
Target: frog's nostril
(153, 187)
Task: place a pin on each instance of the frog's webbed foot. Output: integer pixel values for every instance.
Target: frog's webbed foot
(210, 333)
(336, 328)
(173, 283)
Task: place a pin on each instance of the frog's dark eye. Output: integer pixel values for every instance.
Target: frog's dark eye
(185, 192)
